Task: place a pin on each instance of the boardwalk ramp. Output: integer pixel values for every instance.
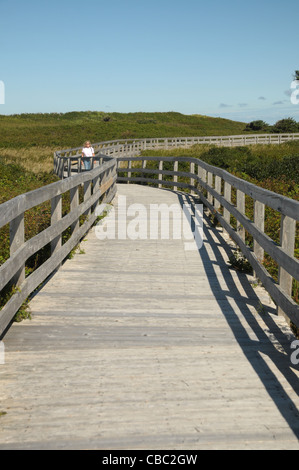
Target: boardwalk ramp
(144, 344)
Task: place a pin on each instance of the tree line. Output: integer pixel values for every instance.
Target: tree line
(282, 126)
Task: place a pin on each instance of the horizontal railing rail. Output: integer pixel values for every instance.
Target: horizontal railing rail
(98, 184)
(214, 186)
(68, 161)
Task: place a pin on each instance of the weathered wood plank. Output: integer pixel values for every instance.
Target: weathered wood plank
(56, 215)
(287, 241)
(280, 203)
(17, 239)
(13, 270)
(122, 145)
(210, 184)
(241, 209)
(90, 369)
(280, 255)
(227, 197)
(259, 221)
(37, 277)
(74, 200)
(24, 202)
(218, 184)
(287, 304)
(50, 234)
(175, 174)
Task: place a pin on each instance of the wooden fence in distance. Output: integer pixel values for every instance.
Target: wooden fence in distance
(69, 160)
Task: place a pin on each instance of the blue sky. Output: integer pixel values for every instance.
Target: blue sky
(218, 58)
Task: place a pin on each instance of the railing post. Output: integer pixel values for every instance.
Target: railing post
(287, 242)
(17, 239)
(79, 164)
(192, 169)
(55, 163)
(56, 214)
(87, 195)
(259, 220)
(107, 175)
(241, 209)
(160, 174)
(227, 197)
(60, 167)
(175, 177)
(210, 183)
(74, 195)
(96, 186)
(69, 167)
(218, 190)
(202, 174)
(129, 167)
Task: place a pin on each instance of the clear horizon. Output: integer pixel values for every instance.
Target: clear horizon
(229, 60)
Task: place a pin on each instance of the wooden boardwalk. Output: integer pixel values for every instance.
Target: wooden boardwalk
(140, 344)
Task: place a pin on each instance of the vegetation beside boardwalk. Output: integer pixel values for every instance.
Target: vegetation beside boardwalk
(273, 167)
(28, 141)
(72, 129)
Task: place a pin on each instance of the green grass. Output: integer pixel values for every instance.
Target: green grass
(255, 161)
(27, 143)
(273, 167)
(72, 129)
(31, 139)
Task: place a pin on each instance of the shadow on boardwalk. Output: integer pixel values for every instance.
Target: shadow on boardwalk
(256, 351)
(141, 344)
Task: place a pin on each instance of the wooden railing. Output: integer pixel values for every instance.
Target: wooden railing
(98, 184)
(214, 186)
(68, 161)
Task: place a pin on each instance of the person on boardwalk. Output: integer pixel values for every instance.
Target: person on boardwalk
(87, 155)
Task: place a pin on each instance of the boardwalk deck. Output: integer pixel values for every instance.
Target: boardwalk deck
(144, 345)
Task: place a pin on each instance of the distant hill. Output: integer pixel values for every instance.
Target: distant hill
(72, 129)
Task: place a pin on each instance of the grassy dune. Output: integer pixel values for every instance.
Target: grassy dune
(30, 140)
(72, 129)
(35, 159)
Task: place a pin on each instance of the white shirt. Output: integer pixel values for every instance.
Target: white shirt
(88, 151)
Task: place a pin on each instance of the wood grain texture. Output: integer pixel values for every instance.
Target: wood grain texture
(140, 344)
(214, 200)
(13, 270)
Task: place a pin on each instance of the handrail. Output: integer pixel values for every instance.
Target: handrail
(217, 184)
(69, 160)
(98, 183)
(207, 181)
(212, 179)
